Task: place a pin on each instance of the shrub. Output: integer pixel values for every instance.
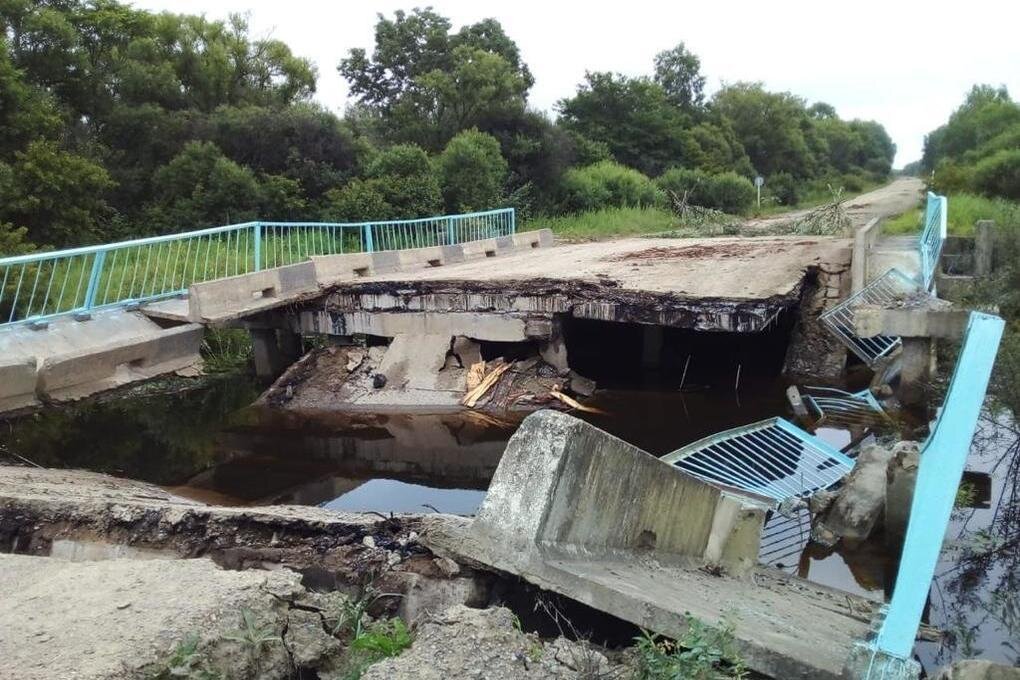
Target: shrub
(603, 185)
(472, 172)
(695, 183)
(784, 187)
(950, 178)
(404, 177)
(357, 201)
(726, 191)
(999, 174)
(730, 192)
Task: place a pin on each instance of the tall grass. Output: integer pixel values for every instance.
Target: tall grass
(964, 211)
(606, 223)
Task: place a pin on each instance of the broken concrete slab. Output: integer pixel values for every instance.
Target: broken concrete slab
(414, 361)
(17, 383)
(860, 502)
(871, 321)
(565, 487)
(105, 366)
(578, 512)
(474, 643)
(116, 618)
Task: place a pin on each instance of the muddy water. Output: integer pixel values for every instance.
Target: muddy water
(210, 445)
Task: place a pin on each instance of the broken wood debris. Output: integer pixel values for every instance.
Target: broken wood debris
(490, 379)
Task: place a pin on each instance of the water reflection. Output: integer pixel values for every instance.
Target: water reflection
(976, 593)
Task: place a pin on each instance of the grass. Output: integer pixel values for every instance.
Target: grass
(964, 211)
(703, 653)
(606, 223)
(620, 222)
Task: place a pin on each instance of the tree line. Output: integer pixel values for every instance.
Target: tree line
(978, 148)
(117, 122)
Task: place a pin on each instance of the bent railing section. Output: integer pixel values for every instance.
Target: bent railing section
(41, 286)
(891, 286)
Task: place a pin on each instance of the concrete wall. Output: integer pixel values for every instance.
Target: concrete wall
(564, 487)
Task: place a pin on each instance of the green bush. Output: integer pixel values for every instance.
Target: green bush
(695, 183)
(999, 174)
(357, 201)
(730, 192)
(727, 191)
(473, 172)
(605, 185)
(784, 187)
(951, 177)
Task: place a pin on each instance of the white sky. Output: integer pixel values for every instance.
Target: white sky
(906, 64)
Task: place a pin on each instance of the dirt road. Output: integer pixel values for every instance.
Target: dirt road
(900, 195)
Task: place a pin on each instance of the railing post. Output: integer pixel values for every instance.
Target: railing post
(93, 287)
(513, 221)
(451, 232)
(367, 239)
(257, 239)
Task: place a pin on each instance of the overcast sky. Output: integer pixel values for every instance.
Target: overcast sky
(904, 64)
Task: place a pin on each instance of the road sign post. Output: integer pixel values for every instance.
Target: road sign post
(759, 181)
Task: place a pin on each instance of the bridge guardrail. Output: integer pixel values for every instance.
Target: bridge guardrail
(40, 286)
(933, 236)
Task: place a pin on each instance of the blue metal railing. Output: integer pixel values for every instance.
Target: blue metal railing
(933, 236)
(41, 286)
(889, 287)
(772, 458)
(943, 457)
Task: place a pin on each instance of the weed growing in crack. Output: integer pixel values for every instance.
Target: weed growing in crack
(350, 620)
(185, 661)
(253, 638)
(703, 653)
(377, 641)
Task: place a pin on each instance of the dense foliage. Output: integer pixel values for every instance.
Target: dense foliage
(978, 149)
(117, 122)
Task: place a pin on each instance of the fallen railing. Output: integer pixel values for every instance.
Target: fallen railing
(41, 286)
(943, 456)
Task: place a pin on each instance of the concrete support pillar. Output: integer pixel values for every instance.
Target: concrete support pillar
(291, 347)
(915, 370)
(269, 359)
(554, 350)
(651, 346)
(984, 247)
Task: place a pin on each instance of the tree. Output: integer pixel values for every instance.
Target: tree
(399, 184)
(200, 188)
(472, 171)
(58, 196)
(771, 126)
(423, 84)
(633, 117)
(678, 73)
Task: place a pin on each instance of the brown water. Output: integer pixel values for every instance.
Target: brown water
(209, 445)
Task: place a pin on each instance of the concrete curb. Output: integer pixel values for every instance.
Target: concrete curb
(228, 298)
(77, 374)
(237, 296)
(334, 269)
